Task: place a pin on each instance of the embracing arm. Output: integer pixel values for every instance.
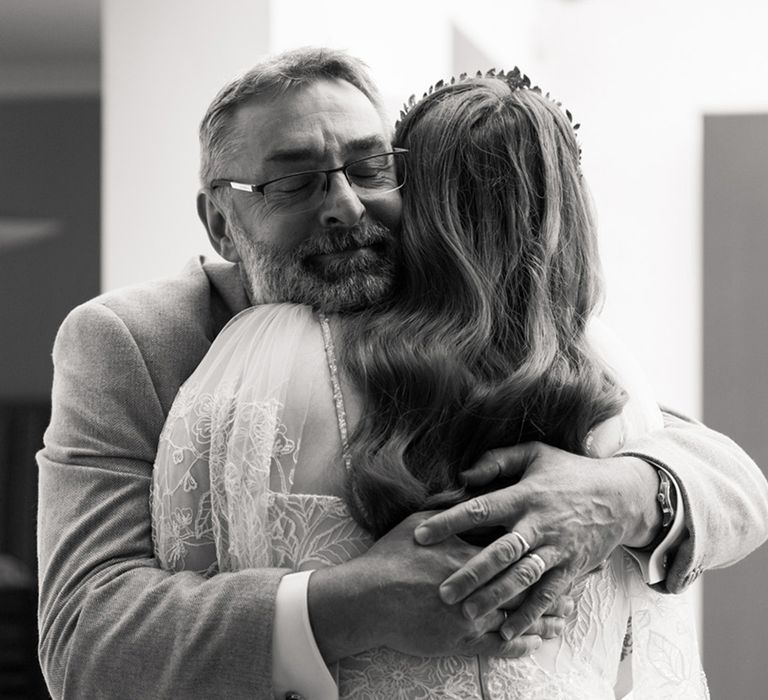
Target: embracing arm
(575, 511)
(725, 496)
(112, 623)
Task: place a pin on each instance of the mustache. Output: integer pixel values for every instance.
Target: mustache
(338, 239)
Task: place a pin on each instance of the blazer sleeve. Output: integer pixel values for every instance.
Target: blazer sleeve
(112, 623)
(725, 496)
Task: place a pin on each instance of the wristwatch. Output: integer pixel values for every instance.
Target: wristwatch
(666, 497)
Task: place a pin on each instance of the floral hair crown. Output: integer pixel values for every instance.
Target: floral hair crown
(515, 79)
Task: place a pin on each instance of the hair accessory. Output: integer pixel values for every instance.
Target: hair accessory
(516, 79)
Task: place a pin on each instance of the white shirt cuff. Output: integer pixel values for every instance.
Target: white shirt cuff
(653, 565)
(297, 665)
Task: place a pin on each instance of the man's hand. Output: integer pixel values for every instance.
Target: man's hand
(389, 597)
(564, 518)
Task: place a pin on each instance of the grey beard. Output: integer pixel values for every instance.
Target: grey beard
(273, 275)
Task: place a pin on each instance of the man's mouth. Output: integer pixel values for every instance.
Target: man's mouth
(348, 253)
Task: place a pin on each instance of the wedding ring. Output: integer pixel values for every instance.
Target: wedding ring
(539, 561)
(526, 547)
(504, 621)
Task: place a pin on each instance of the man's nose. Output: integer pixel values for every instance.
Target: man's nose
(342, 206)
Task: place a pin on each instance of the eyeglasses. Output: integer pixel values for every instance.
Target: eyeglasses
(369, 177)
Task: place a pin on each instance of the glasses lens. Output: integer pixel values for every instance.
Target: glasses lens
(377, 175)
(369, 177)
(295, 193)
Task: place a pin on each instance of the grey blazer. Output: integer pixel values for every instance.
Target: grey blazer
(114, 625)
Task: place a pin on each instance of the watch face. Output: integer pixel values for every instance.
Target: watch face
(664, 497)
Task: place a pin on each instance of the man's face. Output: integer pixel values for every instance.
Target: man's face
(339, 255)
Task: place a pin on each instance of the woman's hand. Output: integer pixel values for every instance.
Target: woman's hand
(564, 518)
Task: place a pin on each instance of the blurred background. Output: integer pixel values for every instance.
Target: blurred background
(99, 107)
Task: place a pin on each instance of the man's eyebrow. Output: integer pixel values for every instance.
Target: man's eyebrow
(304, 153)
(369, 143)
(288, 155)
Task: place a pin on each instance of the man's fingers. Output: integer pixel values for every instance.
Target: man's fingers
(541, 597)
(495, 508)
(510, 583)
(504, 462)
(491, 561)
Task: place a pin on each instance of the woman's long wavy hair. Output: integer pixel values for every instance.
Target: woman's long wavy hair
(483, 343)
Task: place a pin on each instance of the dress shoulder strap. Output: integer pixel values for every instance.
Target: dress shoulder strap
(338, 397)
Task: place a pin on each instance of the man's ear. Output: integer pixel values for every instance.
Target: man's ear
(216, 224)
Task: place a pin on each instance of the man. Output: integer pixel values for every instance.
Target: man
(114, 625)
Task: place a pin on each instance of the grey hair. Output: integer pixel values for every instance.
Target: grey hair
(274, 76)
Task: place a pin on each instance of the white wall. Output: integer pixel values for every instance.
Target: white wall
(163, 62)
(383, 34)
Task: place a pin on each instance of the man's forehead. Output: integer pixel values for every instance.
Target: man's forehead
(309, 121)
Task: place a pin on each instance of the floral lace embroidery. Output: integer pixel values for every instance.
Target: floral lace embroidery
(312, 531)
(223, 502)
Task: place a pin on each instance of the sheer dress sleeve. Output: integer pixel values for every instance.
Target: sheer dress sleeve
(259, 405)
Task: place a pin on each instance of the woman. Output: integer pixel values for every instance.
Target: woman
(486, 337)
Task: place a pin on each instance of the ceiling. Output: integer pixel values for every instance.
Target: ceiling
(37, 31)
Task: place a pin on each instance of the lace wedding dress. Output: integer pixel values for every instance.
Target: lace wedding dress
(264, 408)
